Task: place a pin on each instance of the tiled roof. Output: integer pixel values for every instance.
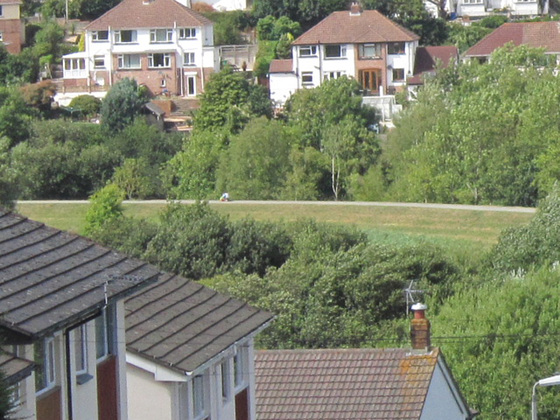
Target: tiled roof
(14, 368)
(281, 66)
(344, 28)
(534, 34)
(427, 58)
(50, 279)
(342, 384)
(134, 14)
(182, 324)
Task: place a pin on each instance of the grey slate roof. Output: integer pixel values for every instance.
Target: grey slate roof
(14, 368)
(342, 383)
(51, 279)
(181, 324)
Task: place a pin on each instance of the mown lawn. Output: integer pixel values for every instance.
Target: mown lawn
(471, 229)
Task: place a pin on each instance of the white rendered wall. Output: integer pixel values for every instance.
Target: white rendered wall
(149, 399)
(282, 86)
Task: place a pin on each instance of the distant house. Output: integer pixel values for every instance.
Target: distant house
(162, 44)
(482, 8)
(427, 61)
(190, 353)
(225, 5)
(362, 44)
(62, 305)
(533, 34)
(12, 29)
(363, 384)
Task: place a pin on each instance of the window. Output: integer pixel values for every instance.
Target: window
(239, 367)
(369, 51)
(472, 1)
(125, 37)
(100, 36)
(80, 349)
(307, 78)
(328, 75)
(0, 10)
(159, 60)
(1, 37)
(45, 360)
(187, 33)
(188, 59)
(129, 61)
(308, 50)
(335, 51)
(225, 375)
(98, 62)
(199, 397)
(161, 35)
(395, 48)
(74, 64)
(103, 334)
(398, 75)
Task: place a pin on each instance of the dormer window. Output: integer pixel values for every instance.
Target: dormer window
(187, 33)
(335, 51)
(100, 36)
(125, 37)
(161, 35)
(308, 51)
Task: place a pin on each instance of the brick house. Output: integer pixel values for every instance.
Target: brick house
(12, 30)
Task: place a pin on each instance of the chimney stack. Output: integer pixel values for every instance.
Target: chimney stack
(420, 328)
(355, 9)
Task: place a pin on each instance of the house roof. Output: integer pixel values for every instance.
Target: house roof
(534, 34)
(281, 66)
(181, 324)
(427, 59)
(134, 14)
(342, 383)
(51, 279)
(14, 368)
(10, 2)
(346, 28)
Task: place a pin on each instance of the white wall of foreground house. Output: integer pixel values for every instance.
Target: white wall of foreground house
(443, 400)
(282, 86)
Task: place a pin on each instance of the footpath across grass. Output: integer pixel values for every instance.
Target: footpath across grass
(469, 228)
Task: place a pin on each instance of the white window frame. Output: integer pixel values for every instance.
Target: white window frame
(49, 366)
(1, 10)
(80, 349)
(225, 381)
(199, 400)
(166, 58)
(74, 64)
(161, 36)
(119, 36)
(308, 51)
(96, 38)
(99, 62)
(190, 77)
(1, 37)
(399, 50)
(331, 75)
(366, 56)
(398, 79)
(340, 51)
(189, 59)
(187, 33)
(473, 1)
(123, 61)
(240, 367)
(307, 78)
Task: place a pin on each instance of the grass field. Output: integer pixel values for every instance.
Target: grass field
(471, 229)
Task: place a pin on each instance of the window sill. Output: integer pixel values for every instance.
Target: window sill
(158, 68)
(127, 43)
(336, 58)
(160, 42)
(83, 378)
(99, 41)
(308, 56)
(369, 58)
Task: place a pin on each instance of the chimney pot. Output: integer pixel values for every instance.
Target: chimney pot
(355, 9)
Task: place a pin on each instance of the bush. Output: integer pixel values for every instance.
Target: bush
(88, 105)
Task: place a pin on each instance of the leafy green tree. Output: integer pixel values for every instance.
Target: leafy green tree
(257, 161)
(106, 206)
(8, 187)
(122, 105)
(191, 173)
(15, 115)
(227, 102)
(136, 178)
(88, 105)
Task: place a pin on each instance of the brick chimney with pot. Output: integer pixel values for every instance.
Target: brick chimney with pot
(420, 328)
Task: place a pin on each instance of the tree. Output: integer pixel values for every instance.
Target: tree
(136, 178)
(227, 102)
(105, 207)
(122, 105)
(88, 105)
(8, 187)
(257, 161)
(15, 115)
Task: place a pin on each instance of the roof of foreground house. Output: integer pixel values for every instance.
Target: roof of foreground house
(134, 14)
(427, 59)
(342, 383)
(533, 34)
(51, 279)
(364, 27)
(181, 324)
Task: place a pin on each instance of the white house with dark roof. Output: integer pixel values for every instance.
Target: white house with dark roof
(362, 44)
(482, 8)
(162, 44)
(62, 314)
(190, 349)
